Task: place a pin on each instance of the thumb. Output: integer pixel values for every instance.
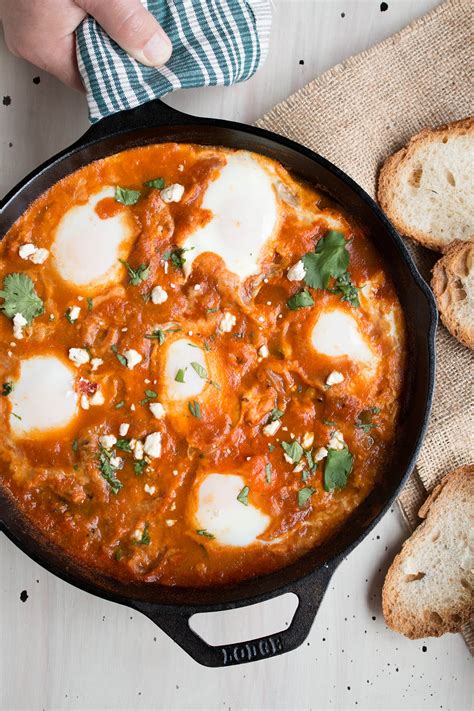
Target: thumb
(132, 27)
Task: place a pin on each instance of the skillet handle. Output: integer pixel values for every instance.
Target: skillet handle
(175, 622)
(152, 114)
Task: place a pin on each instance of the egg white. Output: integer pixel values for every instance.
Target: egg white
(43, 397)
(336, 334)
(86, 248)
(223, 516)
(245, 214)
(179, 356)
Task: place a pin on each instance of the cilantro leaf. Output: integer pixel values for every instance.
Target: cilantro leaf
(139, 466)
(330, 258)
(293, 450)
(7, 388)
(202, 372)
(108, 471)
(194, 409)
(20, 297)
(304, 495)
(136, 276)
(203, 532)
(300, 300)
(274, 415)
(126, 196)
(145, 540)
(346, 290)
(179, 377)
(119, 405)
(121, 358)
(176, 256)
(158, 183)
(337, 468)
(158, 335)
(90, 303)
(243, 496)
(124, 445)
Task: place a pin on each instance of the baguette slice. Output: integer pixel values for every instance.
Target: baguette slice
(429, 588)
(453, 287)
(427, 188)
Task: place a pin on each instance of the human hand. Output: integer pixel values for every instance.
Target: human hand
(42, 32)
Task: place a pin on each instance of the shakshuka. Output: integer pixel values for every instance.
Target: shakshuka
(201, 365)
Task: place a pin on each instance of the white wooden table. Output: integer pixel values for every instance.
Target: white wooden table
(63, 649)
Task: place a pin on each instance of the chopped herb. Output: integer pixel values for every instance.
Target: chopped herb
(212, 311)
(207, 347)
(75, 445)
(90, 303)
(337, 468)
(121, 359)
(158, 183)
(275, 414)
(365, 426)
(268, 473)
(176, 256)
(136, 276)
(20, 297)
(126, 196)
(150, 395)
(214, 384)
(158, 335)
(364, 421)
(145, 539)
(305, 474)
(202, 372)
(17, 416)
(304, 495)
(330, 259)
(139, 466)
(120, 404)
(329, 423)
(203, 532)
(346, 289)
(293, 450)
(68, 316)
(124, 445)
(118, 555)
(300, 300)
(108, 471)
(311, 463)
(7, 388)
(243, 496)
(271, 447)
(194, 409)
(180, 375)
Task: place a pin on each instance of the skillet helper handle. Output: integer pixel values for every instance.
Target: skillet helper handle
(175, 622)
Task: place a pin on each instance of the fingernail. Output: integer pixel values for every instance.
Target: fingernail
(157, 50)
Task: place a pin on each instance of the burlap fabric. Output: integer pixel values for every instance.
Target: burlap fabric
(355, 115)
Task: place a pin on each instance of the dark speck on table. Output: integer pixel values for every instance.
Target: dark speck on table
(36, 80)
(24, 596)
(383, 6)
(7, 100)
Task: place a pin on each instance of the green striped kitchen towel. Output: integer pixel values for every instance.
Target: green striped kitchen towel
(215, 42)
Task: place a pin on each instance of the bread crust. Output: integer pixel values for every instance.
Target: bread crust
(447, 291)
(389, 172)
(431, 624)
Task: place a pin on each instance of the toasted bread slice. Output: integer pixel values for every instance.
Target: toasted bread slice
(429, 588)
(453, 287)
(427, 188)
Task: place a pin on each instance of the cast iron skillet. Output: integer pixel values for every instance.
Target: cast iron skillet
(172, 608)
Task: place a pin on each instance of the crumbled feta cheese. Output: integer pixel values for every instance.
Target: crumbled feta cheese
(157, 410)
(320, 454)
(123, 429)
(40, 256)
(149, 489)
(26, 250)
(137, 449)
(19, 322)
(79, 356)
(288, 458)
(307, 441)
(116, 462)
(74, 312)
(263, 352)
(299, 467)
(132, 407)
(96, 362)
(228, 322)
(137, 535)
(181, 167)
(133, 357)
(152, 445)
(272, 428)
(336, 441)
(97, 398)
(173, 193)
(334, 378)
(297, 272)
(107, 441)
(170, 522)
(158, 295)
(84, 402)
(197, 287)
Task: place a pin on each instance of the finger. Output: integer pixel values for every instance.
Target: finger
(133, 28)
